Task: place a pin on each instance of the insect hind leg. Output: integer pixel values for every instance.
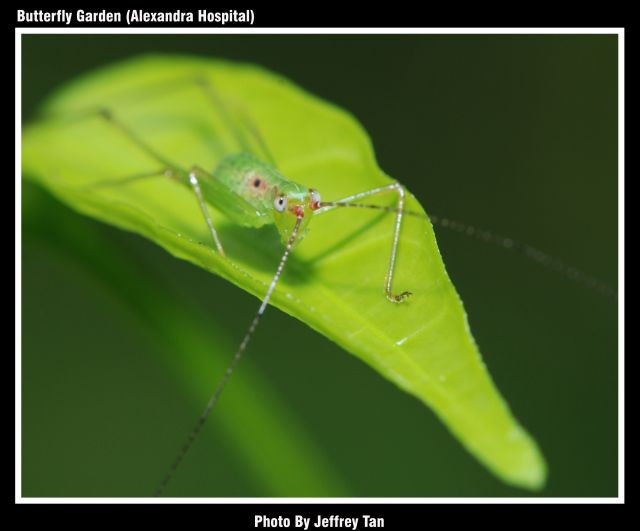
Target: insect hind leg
(226, 114)
(170, 170)
(163, 172)
(109, 116)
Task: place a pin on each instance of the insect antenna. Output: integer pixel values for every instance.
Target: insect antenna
(232, 365)
(528, 251)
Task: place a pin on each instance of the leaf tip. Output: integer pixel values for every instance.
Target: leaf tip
(529, 471)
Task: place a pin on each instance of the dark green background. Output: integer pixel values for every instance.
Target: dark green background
(513, 133)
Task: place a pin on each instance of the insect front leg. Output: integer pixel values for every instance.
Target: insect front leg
(399, 210)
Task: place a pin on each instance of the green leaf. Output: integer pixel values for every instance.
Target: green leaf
(335, 278)
(192, 348)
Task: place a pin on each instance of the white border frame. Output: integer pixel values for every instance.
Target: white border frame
(252, 30)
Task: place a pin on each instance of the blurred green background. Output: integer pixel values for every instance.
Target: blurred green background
(513, 133)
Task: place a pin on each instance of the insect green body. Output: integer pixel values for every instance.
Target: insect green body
(251, 189)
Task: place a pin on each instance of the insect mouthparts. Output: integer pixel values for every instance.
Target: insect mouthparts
(315, 199)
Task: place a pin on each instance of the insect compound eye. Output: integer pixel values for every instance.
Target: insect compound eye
(314, 197)
(280, 203)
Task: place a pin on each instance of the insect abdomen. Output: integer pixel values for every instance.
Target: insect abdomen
(242, 188)
(251, 179)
